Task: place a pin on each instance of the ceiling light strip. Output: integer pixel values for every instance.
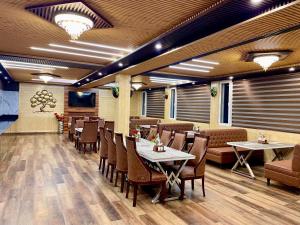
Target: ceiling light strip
(21, 68)
(70, 53)
(85, 50)
(189, 69)
(197, 66)
(205, 61)
(17, 63)
(29, 67)
(101, 46)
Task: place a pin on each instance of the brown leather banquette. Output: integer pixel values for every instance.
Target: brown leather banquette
(143, 121)
(178, 127)
(285, 171)
(218, 150)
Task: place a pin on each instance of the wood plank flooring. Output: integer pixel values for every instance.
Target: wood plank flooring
(46, 181)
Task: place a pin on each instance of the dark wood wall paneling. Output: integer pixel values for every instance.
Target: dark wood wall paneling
(193, 103)
(156, 103)
(271, 103)
(78, 111)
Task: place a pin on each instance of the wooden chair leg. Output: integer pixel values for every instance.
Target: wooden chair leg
(108, 165)
(268, 181)
(182, 186)
(103, 168)
(100, 163)
(116, 181)
(203, 187)
(122, 182)
(193, 184)
(95, 147)
(127, 189)
(112, 173)
(135, 188)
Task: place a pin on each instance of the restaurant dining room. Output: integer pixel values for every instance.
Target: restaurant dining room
(151, 112)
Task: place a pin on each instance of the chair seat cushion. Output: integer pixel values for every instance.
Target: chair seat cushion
(283, 166)
(224, 150)
(187, 172)
(156, 176)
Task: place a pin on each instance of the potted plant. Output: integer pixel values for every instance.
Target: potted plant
(60, 119)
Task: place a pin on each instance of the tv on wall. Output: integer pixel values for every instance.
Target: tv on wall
(82, 99)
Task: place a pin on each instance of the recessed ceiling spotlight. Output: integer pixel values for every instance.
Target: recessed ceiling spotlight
(120, 64)
(158, 46)
(78, 83)
(0, 72)
(100, 74)
(193, 83)
(87, 79)
(292, 69)
(5, 78)
(231, 78)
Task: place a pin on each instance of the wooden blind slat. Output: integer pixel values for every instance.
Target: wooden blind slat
(156, 103)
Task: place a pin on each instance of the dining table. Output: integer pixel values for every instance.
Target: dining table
(145, 150)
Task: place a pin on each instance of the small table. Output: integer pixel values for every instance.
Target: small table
(253, 146)
(145, 150)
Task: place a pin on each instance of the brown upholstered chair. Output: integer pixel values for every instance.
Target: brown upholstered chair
(152, 133)
(89, 136)
(178, 142)
(139, 173)
(178, 127)
(103, 149)
(285, 171)
(101, 123)
(194, 168)
(94, 118)
(166, 137)
(122, 164)
(111, 156)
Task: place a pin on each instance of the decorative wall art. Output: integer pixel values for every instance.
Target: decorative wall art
(43, 99)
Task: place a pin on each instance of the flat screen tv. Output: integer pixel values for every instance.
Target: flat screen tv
(82, 99)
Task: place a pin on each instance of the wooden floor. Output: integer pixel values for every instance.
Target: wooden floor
(44, 180)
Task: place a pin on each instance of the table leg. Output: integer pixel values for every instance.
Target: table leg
(171, 180)
(241, 161)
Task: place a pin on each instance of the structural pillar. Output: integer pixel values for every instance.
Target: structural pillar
(123, 104)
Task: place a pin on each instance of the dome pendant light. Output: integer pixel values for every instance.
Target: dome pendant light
(265, 61)
(74, 24)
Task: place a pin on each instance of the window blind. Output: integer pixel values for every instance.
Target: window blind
(193, 103)
(271, 103)
(156, 103)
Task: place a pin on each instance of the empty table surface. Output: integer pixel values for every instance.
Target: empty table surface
(252, 145)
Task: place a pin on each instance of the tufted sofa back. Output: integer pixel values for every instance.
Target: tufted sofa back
(219, 137)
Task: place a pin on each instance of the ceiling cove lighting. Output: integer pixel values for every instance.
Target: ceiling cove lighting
(85, 50)
(189, 69)
(101, 46)
(205, 61)
(35, 65)
(23, 68)
(59, 80)
(265, 61)
(197, 66)
(171, 81)
(45, 78)
(292, 69)
(70, 53)
(74, 24)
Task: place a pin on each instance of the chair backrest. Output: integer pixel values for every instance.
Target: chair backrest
(121, 152)
(199, 150)
(79, 124)
(166, 137)
(86, 118)
(103, 143)
(94, 118)
(73, 122)
(152, 133)
(101, 123)
(110, 125)
(89, 131)
(137, 170)
(296, 159)
(178, 141)
(111, 147)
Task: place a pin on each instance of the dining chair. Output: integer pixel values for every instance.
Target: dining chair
(140, 174)
(178, 141)
(195, 168)
(86, 118)
(103, 149)
(72, 127)
(111, 156)
(121, 164)
(101, 123)
(110, 125)
(78, 124)
(165, 138)
(88, 136)
(152, 133)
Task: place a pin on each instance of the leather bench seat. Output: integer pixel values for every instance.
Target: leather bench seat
(283, 166)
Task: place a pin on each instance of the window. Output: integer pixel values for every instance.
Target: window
(155, 103)
(144, 103)
(173, 106)
(225, 103)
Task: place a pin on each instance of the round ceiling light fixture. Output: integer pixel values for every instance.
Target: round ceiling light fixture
(265, 61)
(74, 24)
(45, 78)
(137, 85)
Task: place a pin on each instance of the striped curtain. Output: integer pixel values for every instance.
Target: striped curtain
(193, 103)
(156, 103)
(271, 103)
